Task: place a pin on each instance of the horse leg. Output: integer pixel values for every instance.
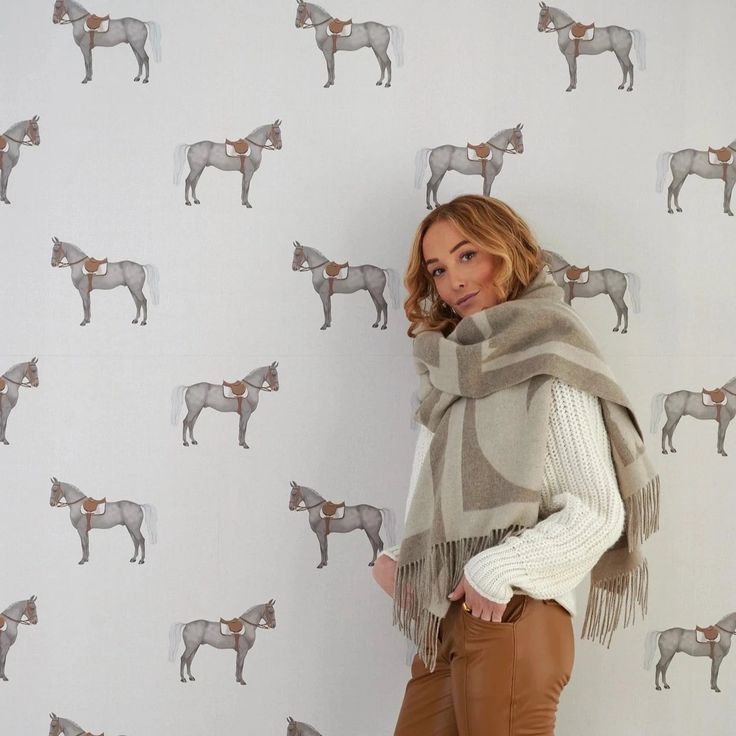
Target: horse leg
(572, 68)
(622, 310)
(87, 54)
(722, 427)
(191, 182)
(381, 308)
(488, 183)
(84, 539)
(727, 189)
(715, 665)
(142, 58)
(3, 656)
(4, 176)
(87, 312)
(385, 63)
(3, 424)
(189, 651)
(188, 423)
(673, 191)
(330, 61)
(139, 544)
(239, 659)
(140, 301)
(668, 430)
(242, 426)
(247, 176)
(433, 185)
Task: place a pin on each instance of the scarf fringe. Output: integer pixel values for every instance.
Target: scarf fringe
(446, 563)
(642, 513)
(606, 599)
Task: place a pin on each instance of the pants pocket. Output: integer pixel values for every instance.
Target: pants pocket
(511, 614)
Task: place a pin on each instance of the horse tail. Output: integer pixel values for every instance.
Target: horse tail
(152, 278)
(174, 639)
(396, 39)
(389, 521)
(180, 154)
(663, 162)
(640, 47)
(656, 409)
(420, 164)
(393, 285)
(177, 401)
(650, 644)
(154, 31)
(151, 517)
(634, 285)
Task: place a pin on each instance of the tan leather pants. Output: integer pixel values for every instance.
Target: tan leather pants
(492, 678)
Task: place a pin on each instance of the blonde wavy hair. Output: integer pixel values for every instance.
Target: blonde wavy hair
(490, 225)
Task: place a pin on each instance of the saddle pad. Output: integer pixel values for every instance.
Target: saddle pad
(587, 36)
(99, 510)
(225, 630)
(101, 269)
(713, 159)
(3, 624)
(582, 279)
(339, 513)
(227, 392)
(346, 30)
(709, 402)
(4, 388)
(4, 146)
(104, 25)
(700, 637)
(230, 151)
(343, 272)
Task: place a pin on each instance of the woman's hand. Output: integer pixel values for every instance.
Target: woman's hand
(479, 606)
(384, 573)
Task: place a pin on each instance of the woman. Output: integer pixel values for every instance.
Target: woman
(529, 472)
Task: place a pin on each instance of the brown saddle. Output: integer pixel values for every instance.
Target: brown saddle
(328, 509)
(332, 269)
(92, 264)
(3, 384)
(717, 396)
(573, 273)
(2, 622)
(240, 147)
(235, 627)
(724, 158)
(336, 25)
(89, 505)
(482, 150)
(710, 633)
(578, 31)
(239, 388)
(93, 23)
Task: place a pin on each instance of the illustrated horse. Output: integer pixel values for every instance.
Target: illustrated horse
(484, 159)
(20, 374)
(10, 142)
(243, 155)
(328, 516)
(333, 35)
(714, 642)
(90, 273)
(718, 404)
(66, 727)
(238, 633)
(10, 619)
(329, 277)
(575, 39)
(91, 31)
(586, 283)
(714, 163)
(239, 396)
(86, 513)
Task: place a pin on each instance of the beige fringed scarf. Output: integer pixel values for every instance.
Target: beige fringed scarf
(485, 392)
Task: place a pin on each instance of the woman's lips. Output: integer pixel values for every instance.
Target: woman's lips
(466, 299)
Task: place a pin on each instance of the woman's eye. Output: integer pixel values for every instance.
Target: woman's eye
(468, 253)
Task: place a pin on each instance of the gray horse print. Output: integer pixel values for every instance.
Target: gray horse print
(333, 35)
(239, 396)
(300, 728)
(715, 163)
(243, 155)
(238, 633)
(87, 513)
(66, 727)
(330, 516)
(10, 619)
(10, 142)
(92, 30)
(20, 374)
(90, 273)
(712, 641)
(717, 403)
(584, 282)
(330, 277)
(574, 39)
(484, 159)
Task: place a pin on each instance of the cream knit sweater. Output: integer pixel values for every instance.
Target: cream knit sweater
(581, 513)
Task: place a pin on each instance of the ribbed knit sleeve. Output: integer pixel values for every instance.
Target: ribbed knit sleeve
(581, 504)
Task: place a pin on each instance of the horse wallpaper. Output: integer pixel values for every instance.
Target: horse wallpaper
(327, 132)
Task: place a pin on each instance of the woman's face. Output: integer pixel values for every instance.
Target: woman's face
(459, 269)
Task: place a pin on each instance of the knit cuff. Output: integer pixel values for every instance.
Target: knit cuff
(496, 571)
(392, 552)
